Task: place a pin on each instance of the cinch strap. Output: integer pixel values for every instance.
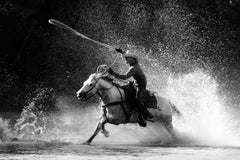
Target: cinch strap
(123, 108)
(113, 104)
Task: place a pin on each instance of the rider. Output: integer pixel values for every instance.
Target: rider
(137, 73)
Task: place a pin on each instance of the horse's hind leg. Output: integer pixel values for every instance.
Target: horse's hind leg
(170, 130)
(169, 126)
(98, 128)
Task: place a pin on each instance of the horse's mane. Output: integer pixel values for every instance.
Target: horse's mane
(107, 78)
(100, 75)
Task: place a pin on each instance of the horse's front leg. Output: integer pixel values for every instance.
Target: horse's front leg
(103, 120)
(104, 131)
(98, 128)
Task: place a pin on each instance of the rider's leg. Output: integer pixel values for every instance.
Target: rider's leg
(145, 113)
(141, 120)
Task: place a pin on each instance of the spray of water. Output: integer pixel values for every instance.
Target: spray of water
(205, 117)
(78, 120)
(205, 120)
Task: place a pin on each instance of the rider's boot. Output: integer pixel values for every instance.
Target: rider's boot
(149, 117)
(144, 112)
(141, 121)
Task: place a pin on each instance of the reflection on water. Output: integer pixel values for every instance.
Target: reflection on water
(62, 150)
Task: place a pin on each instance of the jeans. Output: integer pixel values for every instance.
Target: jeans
(142, 109)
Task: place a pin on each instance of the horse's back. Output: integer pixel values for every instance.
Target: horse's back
(151, 100)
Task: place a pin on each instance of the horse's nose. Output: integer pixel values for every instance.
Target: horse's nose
(79, 94)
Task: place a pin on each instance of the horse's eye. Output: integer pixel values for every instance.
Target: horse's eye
(90, 84)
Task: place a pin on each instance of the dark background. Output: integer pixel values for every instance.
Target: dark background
(39, 61)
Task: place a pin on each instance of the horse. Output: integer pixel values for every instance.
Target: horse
(115, 109)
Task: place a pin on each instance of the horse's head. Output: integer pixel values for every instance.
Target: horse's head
(92, 85)
(89, 88)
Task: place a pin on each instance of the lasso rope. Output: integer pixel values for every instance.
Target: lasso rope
(103, 68)
(113, 62)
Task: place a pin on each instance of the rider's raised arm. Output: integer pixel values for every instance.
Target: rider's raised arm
(119, 50)
(129, 74)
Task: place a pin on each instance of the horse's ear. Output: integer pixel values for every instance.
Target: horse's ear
(94, 75)
(98, 75)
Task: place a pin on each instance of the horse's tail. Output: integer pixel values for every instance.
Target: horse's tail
(175, 109)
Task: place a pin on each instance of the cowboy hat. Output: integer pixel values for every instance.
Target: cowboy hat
(129, 54)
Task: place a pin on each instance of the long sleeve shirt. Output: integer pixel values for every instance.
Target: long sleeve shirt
(137, 73)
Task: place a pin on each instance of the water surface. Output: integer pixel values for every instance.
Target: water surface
(64, 150)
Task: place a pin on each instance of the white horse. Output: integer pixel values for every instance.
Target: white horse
(115, 108)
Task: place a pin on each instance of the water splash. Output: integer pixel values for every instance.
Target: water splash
(78, 120)
(178, 43)
(5, 130)
(205, 121)
(205, 117)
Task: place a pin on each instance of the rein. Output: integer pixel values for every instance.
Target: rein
(105, 106)
(121, 103)
(94, 87)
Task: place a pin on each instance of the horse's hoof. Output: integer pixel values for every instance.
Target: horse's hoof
(105, 133)
(86, 143)
(14, 139)
(152, 119)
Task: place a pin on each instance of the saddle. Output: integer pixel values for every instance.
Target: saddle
(149, 99)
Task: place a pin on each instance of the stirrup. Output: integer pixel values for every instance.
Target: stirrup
(142, 121)
(150, 119)
(142, 124)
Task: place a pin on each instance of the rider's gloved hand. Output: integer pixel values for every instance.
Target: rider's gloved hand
(119, 50)
(110, 71)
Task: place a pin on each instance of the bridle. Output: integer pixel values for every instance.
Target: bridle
(97, 89)
(105, 106)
